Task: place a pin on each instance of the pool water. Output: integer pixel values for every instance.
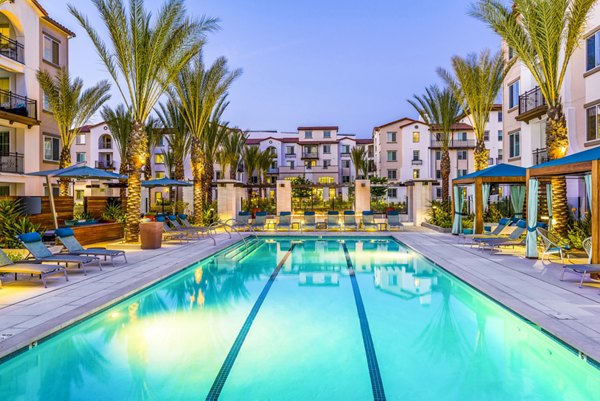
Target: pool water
(303, 319)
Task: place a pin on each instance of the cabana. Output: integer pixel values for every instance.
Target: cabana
(482, 180)
(584, 164)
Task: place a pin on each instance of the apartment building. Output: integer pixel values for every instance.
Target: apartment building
(29, 41)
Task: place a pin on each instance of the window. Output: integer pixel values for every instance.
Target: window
(51, 148)
(392, 193)
(592, 123)
(499, 116)
(438, 193)
(217, 175)
(416, 155)
(308, 135)
(514, 148)
(292, 164)
(491, 161)
(254, 179)
(416, 137)
(4, 143)
(46, 104)
(462, 155)
(438, 174)
(159, 174)
(80, 156)
(345, 149)
(346, 179)
(500, 135)
(80, 139)
(327, 134)
(159, 158)
(51, 47)
(593, 51)
(499, 156)
(462, 172)
(327, 149)
(438, 155)
(462, 136)
(391, 155)
(326, 180)
(513, 95)
(309, 164)
(511, 53)
(392, 174)
(290, 150)
(158, 196)
(391, 137)
(416, 173)
(326, 163)
(486, 135)
(345, 163)
(79, 193)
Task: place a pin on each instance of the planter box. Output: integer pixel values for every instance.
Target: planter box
(436, 228)
(93, 233)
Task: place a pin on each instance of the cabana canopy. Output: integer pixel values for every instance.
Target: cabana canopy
(165, 182)
(497, 173)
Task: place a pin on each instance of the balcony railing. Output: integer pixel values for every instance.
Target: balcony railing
(273, 170)
(290, 155)
(12, 49)
(531, 101)
(455, 144)
(105, 145)
(11, 163)
(17, 104)
(298, 170)
(310, 155)
(416, 162)
(539, 156)
(106, 165)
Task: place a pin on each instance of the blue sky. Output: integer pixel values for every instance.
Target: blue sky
(329, 62)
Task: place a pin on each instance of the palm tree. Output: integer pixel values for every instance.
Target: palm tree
(214, 135)
(358, 155)
(543, 34)
(231, 152)
(265, 160)
(154, 134)
(72, 107)
(177, 135)
(440, 109)
(476, 83)
(198, 91)
(250, 159)
(119, 124)
(143, 56)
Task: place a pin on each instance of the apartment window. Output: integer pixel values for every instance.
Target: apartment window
(391, 155)
(416, 173)
(513, 95)
(438, 174)
(51, 47)
(51, 148)
(462, 172)
(392, 174)
(491, 161)
(500, 135)
(346, 179)
(511, 53)
(4, 143)
(326, 163)
(499, 156)
(80, 139)
(391, 137)
(80, 156)
(326, 180)
(416, 137)
(438, 193)
(345, 163)
(308, 135)
(462, 155)
(592, 123)
(593, 51)
(416, 155)
(327, 149)
(309, 164)
(291, 164)
(159, 174)
(392, 193)
(217, 175)
(159, 158)
(327, 134)
(486, 135)
(254, 179)
(345, 149)
(290, 150)
(46, 103)
(79, 193)
(462, 136)
(499, 116)
(514, 148)
(438, 155)
(158, 197)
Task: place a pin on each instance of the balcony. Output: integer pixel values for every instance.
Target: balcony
(105, 165)
(310, 155)
(539, 156)
(11, 163)
(455, 144)
(17, 108)
(105, 146)
(416, 162)
(273, 171)
(532, 104)
(12, 49)
(290, 155)
(300, 170)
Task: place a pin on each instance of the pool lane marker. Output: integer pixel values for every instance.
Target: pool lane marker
(374, 373)
(217, 386)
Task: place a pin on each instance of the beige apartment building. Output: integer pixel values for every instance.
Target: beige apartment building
(29, 41)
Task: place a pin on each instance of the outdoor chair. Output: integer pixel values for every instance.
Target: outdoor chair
(7, 266)
(242, 221)
(259, 221)
(553, 245)
(170, 234)
(584, 268)
(350, 220)
(515, 238)
(333, 220)
(495, 233)
(285, 221)
(393, 221)
(309, 222)
(520, 228)
(33, 243)
(67, 237)
(368, 221)
(195, 231)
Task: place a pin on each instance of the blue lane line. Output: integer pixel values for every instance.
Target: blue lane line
(217, 386)
(374, 373)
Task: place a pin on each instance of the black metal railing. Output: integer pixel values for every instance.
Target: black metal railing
(105, 164)
(467, 143)
(17, 104)
(531, 100)
(417, 162)
(12, 49)
(539, 156)
(105, 145)
(11, 163)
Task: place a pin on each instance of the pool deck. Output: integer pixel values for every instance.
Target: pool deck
(28, 312)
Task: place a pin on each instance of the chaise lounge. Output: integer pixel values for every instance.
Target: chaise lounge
(7, 266)
(67, 237)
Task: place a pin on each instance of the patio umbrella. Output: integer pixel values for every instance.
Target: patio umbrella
(78, 172)
(164, 183)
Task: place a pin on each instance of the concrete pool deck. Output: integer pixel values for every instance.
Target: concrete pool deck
(28, 312)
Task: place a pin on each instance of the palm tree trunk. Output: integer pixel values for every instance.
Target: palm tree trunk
(445, 171)
(65, 161)
(232, 172)
(198, 172)
(557, 143)
(123, 190)
(138, 145)
(179, 169)
(148, 167)
(209, 172)
(481, 155)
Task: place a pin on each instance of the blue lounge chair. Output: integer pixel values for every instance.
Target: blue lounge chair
(259, 221)
(67, 237)
(285, 221)
(368, 221)
(7, 266)
(333, 220)
(393, 221)
(242, 221)
(584, 268)
(309, 222)
(350, 220)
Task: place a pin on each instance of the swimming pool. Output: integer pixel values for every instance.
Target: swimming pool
(303, 319)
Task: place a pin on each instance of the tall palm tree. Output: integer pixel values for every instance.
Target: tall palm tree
(440, 109)
(118, 121)
(215, 133)
(265, 160)
(199, 90)
(476, 82)
(231, 152)
(544, 34)
(250, 160)
(72, 107)
(154, 134)
(177, 135)
(358, 155)
(143, 56)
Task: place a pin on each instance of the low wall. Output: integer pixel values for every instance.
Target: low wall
(94, 233)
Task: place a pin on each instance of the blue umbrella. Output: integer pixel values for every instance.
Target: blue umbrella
(164, 183)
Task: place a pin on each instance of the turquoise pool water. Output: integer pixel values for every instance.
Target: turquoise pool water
(303, 319)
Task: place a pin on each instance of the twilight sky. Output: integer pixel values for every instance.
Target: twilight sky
(317, 62)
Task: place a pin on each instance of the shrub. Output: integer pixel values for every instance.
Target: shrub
(440, 214)
(580, 230)
(113, 212)
(492, 214)
(13, 222)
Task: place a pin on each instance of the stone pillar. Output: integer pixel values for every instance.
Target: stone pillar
(419, 199)
(325, 194)
(229, 199)
(362, 196)
(283, 195)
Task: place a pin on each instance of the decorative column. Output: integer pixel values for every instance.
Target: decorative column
(283, 195)
(478, 223)
(419, 199)
(229, 199)
(362, 196)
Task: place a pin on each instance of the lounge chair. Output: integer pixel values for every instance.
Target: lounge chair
(67, 237)
(259, 221)
(368, 221)
(393, 221)
(553, 245)
(350, 220)
(309, 222)
(285, 221)
(7, 266)
(195, 231)
(33, 243)
(170, 234)
(520, 228)
(333, 220)
(515, 238)
(495, 233)
(584, 268)
(241, 222)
